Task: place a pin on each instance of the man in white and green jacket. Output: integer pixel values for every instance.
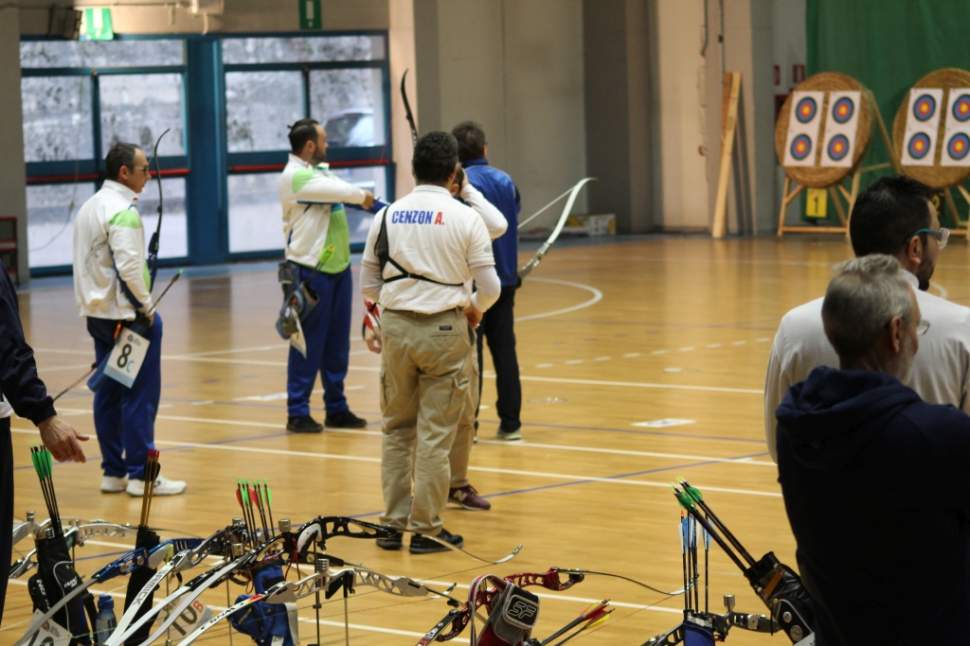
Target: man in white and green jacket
(318, 245)
(112, 287)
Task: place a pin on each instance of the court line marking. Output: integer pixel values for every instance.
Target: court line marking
(522, 445)
(551, 380)
(596, 297)
(569, 477)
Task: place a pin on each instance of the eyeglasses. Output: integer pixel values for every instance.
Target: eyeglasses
(922, 327)
(942, 235)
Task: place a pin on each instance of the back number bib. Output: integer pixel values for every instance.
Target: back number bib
(126, 357)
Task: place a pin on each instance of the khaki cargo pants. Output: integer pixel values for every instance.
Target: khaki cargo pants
(424, 390)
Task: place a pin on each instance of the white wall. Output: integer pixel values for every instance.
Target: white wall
(679, 90)
(516, 67)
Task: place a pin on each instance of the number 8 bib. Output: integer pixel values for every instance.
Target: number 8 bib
(126, 357)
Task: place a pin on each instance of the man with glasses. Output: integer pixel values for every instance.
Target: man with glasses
(874, 478)
(113, 290)
(896, 216)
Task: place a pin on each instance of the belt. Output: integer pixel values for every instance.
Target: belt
(423, 315)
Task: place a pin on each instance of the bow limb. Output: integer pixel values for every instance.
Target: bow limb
(647, 586)
(408, 114)
(153, 243)
(566, 211)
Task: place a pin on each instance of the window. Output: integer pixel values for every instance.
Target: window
(255, 215)
(259, 106)
(350, 104)
(57, 118)
(79, 98)
(93, 54)
(50, 218)
(67, 86)
(137, 108)
(302, 49)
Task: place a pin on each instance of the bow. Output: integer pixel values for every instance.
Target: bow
(777, 585)
(77, 532)
(572, 194)
(153, 243)
(327, 580)
(124, 565)
(185, 559)
(182, 597)
(407, 110)
(324, 527)
(484, 591)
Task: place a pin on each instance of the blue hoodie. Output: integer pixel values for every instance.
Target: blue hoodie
(877, 489)
(499, 189)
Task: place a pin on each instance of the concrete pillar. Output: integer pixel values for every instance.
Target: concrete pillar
(517, 68)
(401, 46)
(620, 117)
(13, 175)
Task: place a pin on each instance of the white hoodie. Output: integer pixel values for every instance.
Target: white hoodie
(109, 243)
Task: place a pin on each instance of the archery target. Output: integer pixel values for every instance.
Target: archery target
(841, 125)
(800, 148)
(803, 127)
(922, 126)
(956, 134)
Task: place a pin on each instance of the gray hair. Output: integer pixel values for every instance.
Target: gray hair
(863, 296)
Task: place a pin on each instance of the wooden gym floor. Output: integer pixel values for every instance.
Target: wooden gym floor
(611, 337)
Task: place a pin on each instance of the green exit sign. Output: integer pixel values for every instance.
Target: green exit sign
(310, 14)
(96, 25)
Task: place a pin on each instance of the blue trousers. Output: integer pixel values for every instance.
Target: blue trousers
(327, 332)
(124, 418)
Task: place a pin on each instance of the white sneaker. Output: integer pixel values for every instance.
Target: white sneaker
(111, 484)
(163, 487)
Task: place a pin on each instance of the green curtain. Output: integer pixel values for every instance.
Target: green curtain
(887, 45)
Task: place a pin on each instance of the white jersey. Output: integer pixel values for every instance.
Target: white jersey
(941, 369)
(111, 279)
(5, 409)
(314, 221)
(433, 235)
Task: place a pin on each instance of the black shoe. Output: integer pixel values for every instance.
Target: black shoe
(303, 424)
(344, 419)
(392, 541)
(424, 545)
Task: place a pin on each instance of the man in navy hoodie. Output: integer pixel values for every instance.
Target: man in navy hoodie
(875, 480)
(498, 324)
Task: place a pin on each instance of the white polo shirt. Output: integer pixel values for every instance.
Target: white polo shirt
(433, 235)
(941, 369)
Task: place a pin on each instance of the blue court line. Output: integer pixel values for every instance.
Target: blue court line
(619, 476)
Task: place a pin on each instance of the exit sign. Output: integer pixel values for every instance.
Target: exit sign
(96, 24)
(310, 14)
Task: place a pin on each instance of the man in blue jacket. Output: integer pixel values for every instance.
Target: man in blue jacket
(498, 325)
(875, 480)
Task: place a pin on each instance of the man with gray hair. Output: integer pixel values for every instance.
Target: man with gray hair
(874, 478)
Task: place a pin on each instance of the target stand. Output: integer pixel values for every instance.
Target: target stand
(821, 135)
(931, 139)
